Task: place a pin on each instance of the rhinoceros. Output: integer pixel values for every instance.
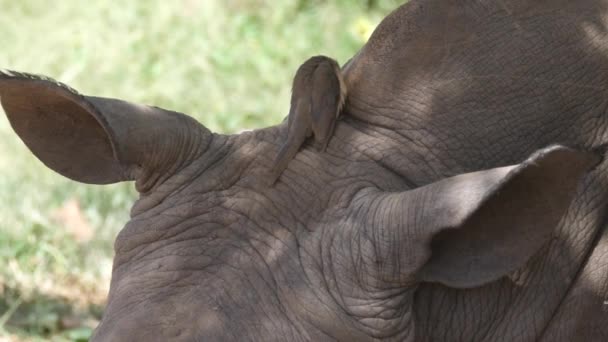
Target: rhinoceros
(462, 197)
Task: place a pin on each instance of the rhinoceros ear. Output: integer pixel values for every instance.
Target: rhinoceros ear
(91, 139)
(485, 224)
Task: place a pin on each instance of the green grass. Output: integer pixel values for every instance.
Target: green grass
(229, 63)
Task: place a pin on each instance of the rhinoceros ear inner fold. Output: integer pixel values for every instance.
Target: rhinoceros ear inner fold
(62, 129)
(489, 223)
(99, 140)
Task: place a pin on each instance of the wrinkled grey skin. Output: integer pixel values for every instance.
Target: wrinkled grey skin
(437, 213)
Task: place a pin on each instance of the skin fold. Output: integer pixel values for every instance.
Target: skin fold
(462, 196)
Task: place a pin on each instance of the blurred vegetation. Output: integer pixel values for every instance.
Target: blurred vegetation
(229, 63)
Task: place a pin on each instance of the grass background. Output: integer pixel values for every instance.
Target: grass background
(229, 63)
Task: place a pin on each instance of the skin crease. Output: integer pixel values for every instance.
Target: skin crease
(318, 95)
(367, 241)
